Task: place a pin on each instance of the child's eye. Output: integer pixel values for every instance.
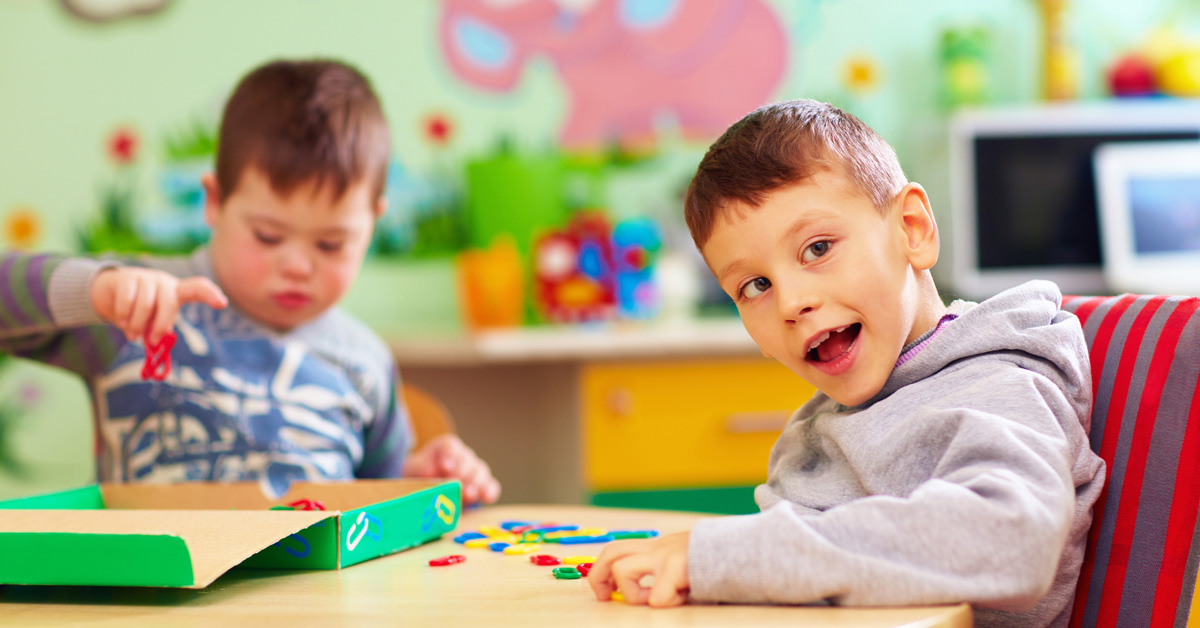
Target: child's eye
(755, 287)
(329, 246)
(815, 250)
(267, 238)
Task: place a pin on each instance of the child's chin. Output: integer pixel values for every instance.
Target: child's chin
(851, 398)
(283, 322)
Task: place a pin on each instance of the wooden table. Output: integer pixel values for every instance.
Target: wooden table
(488, 589)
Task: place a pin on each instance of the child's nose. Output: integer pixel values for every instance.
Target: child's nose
(296, 263)
(796, 302)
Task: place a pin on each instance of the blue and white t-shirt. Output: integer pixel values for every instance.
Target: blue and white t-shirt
(241, 402)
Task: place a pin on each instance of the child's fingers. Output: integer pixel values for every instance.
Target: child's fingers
(124, 293)
(602, 584)
(600, 576)
(143, 306)
(470, 493)
(476, 478)
(420, 465)
(627, 574)
(203, 290)
(481, 477)
(670, 584)
(490, 492)
(163, 321)
(447, 455)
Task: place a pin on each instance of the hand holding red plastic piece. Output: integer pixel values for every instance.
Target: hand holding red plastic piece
(158, 357)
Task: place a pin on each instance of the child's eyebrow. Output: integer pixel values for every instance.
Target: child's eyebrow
(268, 221)
(804, 222)
(274, 223)
(334, 231)
(733, 267)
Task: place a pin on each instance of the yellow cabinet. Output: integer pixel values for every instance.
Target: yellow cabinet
(683, 423)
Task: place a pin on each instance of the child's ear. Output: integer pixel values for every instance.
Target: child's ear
(380, 207)
(212, 198)
(918, 226)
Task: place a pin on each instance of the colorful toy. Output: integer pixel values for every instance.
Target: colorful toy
(524, 537)
(445, 561)
(588, 272)
(307, 504)
(574, 271)
(158, 358)
(513, 194)
(636, 243)
(567, 573)
(1132, 75)
(491, 289)
(1179, 74)
(521, 548)
(966, 66)
(1060, 71)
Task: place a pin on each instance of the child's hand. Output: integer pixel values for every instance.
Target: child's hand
(140, 300)
(446, 456)
(623, 564)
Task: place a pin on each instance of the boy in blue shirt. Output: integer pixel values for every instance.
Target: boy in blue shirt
(270, 381)
(945, 457)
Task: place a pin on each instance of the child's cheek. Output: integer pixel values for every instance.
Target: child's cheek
(340, 278)
(254, 259)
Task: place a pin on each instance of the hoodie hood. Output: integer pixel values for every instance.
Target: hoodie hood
(1026, 323)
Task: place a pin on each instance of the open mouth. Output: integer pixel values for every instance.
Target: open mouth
(833, 344)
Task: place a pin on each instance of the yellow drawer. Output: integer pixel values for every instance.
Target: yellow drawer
(684, 423)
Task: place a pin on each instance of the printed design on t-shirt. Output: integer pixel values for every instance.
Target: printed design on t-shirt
(236, 406)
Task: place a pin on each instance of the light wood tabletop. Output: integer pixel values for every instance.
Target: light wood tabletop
(488, 589)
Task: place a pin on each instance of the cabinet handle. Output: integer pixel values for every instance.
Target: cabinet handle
(619, 402)
(770, 421)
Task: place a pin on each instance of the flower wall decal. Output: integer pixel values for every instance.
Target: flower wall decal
(123, 145)
(22, 228)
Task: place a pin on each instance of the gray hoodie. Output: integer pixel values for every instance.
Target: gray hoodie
(967, 478)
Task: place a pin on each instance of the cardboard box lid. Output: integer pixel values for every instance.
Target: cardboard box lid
(143, 547)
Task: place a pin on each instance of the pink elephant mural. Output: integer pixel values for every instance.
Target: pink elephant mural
(625, 63)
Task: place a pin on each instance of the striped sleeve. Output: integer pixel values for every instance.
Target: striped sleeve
(46, 312)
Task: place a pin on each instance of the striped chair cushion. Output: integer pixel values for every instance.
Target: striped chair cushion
(1142, 552)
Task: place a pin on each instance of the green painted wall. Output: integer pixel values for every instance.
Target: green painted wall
(65, 84)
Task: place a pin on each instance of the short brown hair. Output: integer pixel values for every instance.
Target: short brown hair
(303, 121)
(782, 144)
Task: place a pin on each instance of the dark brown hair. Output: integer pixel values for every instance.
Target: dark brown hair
(304, 121)
(779, 145)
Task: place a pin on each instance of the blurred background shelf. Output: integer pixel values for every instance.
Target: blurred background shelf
(602, 341)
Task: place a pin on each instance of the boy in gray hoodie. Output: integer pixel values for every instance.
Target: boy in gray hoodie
(945, 458)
